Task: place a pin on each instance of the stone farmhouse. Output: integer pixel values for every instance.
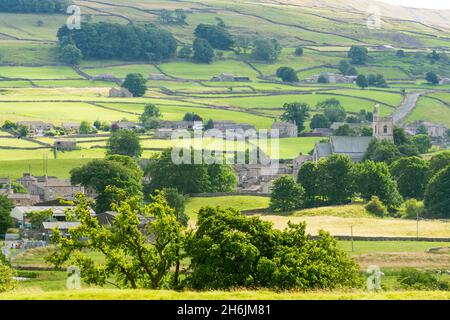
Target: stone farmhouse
(49, 188)
(120, 93)
(36, 127)
(444, 81)
(435, 130)
(65, 145)
(71, 127)
(227, 77)
(125, 125)
(356, 147)
(285, 129)
(332, 78)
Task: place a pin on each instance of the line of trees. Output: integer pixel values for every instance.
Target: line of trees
(337, 180)
(116, 41)
(227, 250)
(35, 6)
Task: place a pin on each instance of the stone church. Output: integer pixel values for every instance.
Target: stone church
(356, 147)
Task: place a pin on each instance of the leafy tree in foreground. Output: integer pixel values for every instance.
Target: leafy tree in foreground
(7, 275)
(132, 258)
(337, 177)
(437, 200)
(308, 178)
(37, 217)
(6, 221)
(229, 250)
(136, 84)
(287, 195)
(124, 142)
(117, 171)
(374, 179)
(411, 174)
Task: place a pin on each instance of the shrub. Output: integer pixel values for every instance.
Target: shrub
(6, 278)
(422, 280)
(412, 208)
(376, 207)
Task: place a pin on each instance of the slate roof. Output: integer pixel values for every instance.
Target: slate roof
(350, 145)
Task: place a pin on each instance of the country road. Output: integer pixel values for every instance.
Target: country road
(408, 106)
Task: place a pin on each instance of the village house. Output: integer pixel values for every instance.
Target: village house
(125, 125)
(356, 147)
(332, 78)
(19, 213)
(71, 127)
(444, 81)
(435, 130)
(227, 77)
(323, 132)
(46, 229)
(36, 127)
(337, 125)
(258, 178)
(49, 188)
(285, 129)
(231, 126)
(65, 145)
(163, 133)
(120, 93)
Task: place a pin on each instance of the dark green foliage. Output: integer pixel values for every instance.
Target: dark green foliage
(203, 51)
(124, 142)
(437, 200)
(411, 174)
(136, 84)
(6, 221)
(345, 131)
(191, 116)
(125, 42)
(287, 74)
(35, 6)
(432, 77)
(266, 50)
(7, 275)
(177, 16)
(322, 79)
(177, 202)
(308, 178)
(439, 162)
(337, 179)
(377, 80)
(150, 117)
(382, 151)
(297, 113)
(410, 278)
(362, 81)
(400, 53)
(185, 52)
(359, 55)
(366, 132)
(286, 195)
(117, 171)
(319, 121)
(422, 142)
(229, 250)
(347, 69)
(376, 207)
(299, 51)
(188, 178)
(70, 54)
(218, 37)
(374, 179)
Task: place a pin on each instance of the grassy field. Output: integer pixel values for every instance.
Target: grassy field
(240, 202)
(116, 294)
(56, 167)
(430, 110)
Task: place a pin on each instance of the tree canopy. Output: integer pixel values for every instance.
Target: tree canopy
(124, 142)
(296, 112)
(35, 6)
(136, 84)
(105, 40)
(218, 37)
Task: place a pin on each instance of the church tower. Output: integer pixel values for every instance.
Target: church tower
(383, 127)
